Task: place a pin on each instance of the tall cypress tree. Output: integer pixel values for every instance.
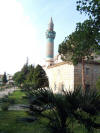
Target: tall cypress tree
(40, 77)
(4, 79)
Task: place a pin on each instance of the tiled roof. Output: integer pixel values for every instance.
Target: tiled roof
(68, 62)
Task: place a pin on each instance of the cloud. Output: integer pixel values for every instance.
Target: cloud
(18, 37)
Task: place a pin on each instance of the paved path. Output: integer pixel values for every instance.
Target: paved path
(7, 91)
(18, 107)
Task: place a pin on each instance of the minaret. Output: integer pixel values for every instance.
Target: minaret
(50, 35)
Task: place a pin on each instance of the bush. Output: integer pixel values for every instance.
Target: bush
(5, 106)
(98, 84)
(5, 99)
(11, 100)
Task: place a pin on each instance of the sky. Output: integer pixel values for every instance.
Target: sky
(23, 24)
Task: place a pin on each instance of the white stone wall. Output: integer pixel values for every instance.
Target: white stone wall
(61, 76)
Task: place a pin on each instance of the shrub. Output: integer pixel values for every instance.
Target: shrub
(5, 99)
(5, 106)
(11, 100)
(98, 85)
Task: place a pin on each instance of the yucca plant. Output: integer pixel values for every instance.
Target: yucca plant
(89, 109)
(59, 110)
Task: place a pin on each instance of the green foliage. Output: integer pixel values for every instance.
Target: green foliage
(18, 78)
(60, 110)
(40, 79)
(4, 78)
(26, 73)
(81, 44)
(89, 6)
(98, 84)
(5, 106)
(9, 123)
(92, 9)
(11, 100)
(30, 76)
(21, 76)
(18, 97)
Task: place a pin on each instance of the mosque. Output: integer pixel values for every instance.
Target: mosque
(65, 75)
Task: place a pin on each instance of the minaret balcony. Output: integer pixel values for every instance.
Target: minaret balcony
(50, 34)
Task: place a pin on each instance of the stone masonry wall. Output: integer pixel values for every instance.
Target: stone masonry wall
(92, 73)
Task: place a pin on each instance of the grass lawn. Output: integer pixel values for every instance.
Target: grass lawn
(9, 119)
(9, 123)
(18, 97)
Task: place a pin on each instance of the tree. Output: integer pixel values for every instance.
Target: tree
(40, 78)
(58, 110)
(81, 45)
(36, 78)
(29, 81)
(30, 73)
(92, 8)
(25, 71)
(4, 78)
(30, 76)
(20, 76)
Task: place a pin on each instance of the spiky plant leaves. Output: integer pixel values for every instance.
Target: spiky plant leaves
(89, 108)
(57, 109)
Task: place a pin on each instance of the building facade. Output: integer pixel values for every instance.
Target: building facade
(65, 75)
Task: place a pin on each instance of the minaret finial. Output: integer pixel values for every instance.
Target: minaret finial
(51, 21)
(51, 25)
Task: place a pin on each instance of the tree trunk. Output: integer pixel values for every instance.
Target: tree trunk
(83, 75)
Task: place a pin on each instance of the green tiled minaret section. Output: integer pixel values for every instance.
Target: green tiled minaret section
(50, 36)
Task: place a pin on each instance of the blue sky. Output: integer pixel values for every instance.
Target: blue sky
(23, 24)
(63, 12)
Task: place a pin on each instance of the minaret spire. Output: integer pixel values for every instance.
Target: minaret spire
(50, 35)
(51, 25)
(51, 21)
